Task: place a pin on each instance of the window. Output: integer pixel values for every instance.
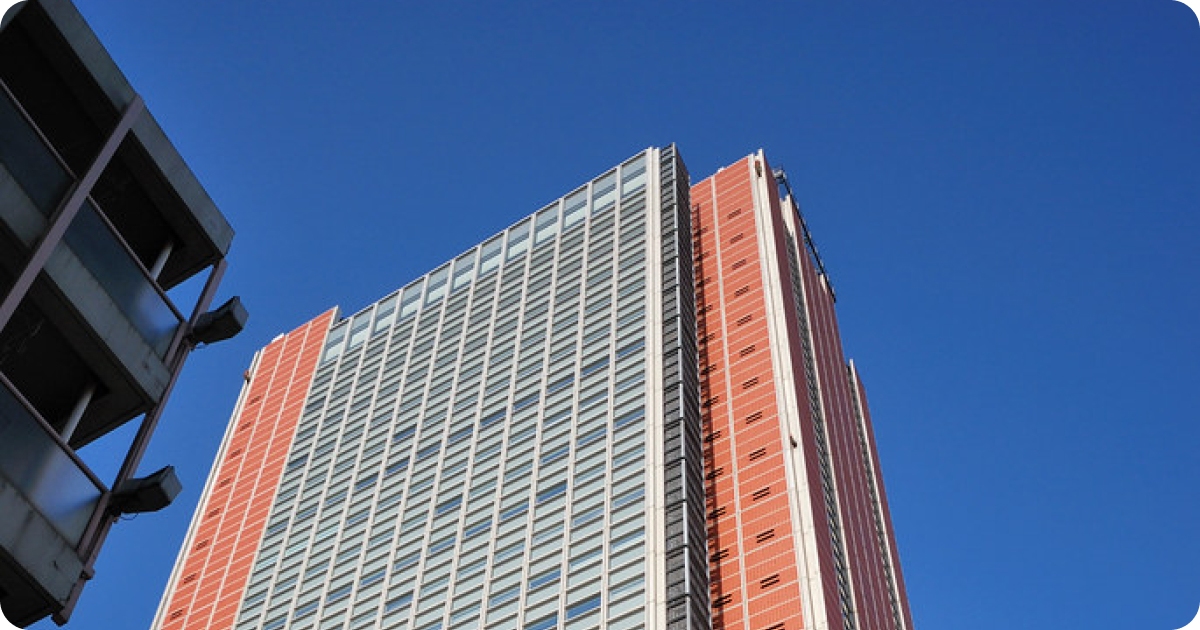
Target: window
(442, 544)
(400, 601)
(629, 497)
(584, 607)
(510, 551)
(556, 490)
(478, 529)
(560, 384)
(604, 192)
(504, 596)
(525, 402)
(492, 419)
(449, 505)
(410, 299)
(333, 345)
(514, 512)
(546, 224)
(305, 610)
(555, 455)
(518, 240)
(489, 255)
(633, 176)
(548, 577)
(574, 208)
(398, 466)
(627, 539)
(366, 482)
(406, 562)
(544, 624)
(592, 436)
(464, 268)
(459, 615)
(594, 367)
(339, 594)
(435, 286)
(385, 313)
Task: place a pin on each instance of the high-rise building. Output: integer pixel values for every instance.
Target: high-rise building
(799, 532)
(102, 225)
(541, 434)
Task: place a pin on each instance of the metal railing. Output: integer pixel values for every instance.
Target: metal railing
(105, 255)
(45, 178)
(43, 468)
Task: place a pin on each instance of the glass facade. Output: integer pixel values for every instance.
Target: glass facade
(473, 449)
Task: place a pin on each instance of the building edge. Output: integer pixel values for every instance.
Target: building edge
(205, 492)
(776, 241)
(172, 613)
(686, 560)
(901, 610)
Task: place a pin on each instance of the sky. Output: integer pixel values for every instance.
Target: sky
(1004, 194)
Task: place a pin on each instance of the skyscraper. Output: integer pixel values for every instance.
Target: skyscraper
(537, 435)
(799, 531)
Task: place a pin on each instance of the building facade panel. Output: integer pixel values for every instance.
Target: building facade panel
(231, 516)
(856, 523)
(742, 413)
(794, 495)
(868, 590)
(812, 473)
(897, 597)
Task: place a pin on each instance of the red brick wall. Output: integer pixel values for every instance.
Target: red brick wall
(208, 588)
(755, 579)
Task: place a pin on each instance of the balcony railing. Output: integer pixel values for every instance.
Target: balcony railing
(26, 155)
(47, 473)
(110, 262)
(45, 178)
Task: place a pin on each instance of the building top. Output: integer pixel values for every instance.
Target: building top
(562, 214)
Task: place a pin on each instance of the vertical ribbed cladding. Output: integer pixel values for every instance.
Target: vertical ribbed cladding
(848, 617)
(686, 550)
(897, 600)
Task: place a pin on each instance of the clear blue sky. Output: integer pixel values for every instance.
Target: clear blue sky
(1005, 193)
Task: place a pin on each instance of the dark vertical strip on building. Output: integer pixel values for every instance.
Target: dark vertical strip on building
(686, 551)
(816, 432)
(896, 594)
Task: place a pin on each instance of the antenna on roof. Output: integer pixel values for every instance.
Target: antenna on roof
(781, 179)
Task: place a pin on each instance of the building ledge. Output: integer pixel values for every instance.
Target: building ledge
(38, 566)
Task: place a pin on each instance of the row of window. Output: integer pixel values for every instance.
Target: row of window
(543, 226)
(516, 503)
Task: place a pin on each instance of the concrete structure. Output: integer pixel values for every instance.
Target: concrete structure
(520, 438)
(101, 223)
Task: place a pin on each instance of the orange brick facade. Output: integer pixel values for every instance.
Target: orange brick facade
(753, 571)
(206, 588)
(799, 534)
